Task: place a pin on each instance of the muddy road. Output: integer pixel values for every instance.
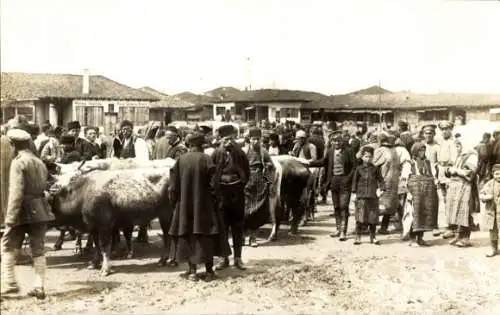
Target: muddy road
(308, 274)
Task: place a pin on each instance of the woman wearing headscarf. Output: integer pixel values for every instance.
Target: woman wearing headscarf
(387, 159)
(422, 195)
(462, 198)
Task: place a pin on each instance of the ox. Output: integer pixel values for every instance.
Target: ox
(101, 201)
(287, 194)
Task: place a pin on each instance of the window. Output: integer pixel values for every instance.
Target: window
(111, 108)
(137, 115)
(90, 115)
(290, 112)
(10, 112)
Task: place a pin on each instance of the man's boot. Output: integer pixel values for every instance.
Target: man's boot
(338, 223)
(223, 264)
(343, 232)
(40, 265)
(238, 263)
(493, 250)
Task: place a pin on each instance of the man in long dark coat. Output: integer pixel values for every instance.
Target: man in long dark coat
(232, 175)
(196, 222)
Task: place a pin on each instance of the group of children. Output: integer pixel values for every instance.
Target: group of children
(368, 185)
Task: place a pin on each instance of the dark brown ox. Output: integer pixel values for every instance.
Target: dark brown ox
(102, 201)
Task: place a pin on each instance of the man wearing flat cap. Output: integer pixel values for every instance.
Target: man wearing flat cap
(339, 163)
(446, 156)
(27, 213)
(232, 174)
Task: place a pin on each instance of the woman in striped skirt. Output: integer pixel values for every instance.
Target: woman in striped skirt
(462, 198)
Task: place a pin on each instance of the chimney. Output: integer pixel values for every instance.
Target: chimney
(86, 82)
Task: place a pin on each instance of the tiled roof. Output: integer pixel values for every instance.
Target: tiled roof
(22, 86)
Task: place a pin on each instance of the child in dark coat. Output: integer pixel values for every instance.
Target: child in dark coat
(367, 186)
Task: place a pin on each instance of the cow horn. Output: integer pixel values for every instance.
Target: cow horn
(81, 164)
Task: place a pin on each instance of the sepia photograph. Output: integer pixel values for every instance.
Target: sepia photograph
(250, 157)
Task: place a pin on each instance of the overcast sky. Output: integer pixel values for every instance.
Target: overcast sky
(326, 46)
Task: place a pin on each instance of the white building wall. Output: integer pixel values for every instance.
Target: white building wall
(283, 109)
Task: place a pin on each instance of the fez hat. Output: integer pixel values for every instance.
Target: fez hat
(196, 139)
(226, 130)
(127, 123)
(274, 136)
(495, 168)
(67, 139)
(18, 135)
(445, 125)
(331, 125)
(74, 125)
(254, 132)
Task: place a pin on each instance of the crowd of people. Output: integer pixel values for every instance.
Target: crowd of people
(393, 173)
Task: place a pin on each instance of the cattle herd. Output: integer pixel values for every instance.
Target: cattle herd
(104, 197)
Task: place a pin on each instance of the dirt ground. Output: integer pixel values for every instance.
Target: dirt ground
(309, 274)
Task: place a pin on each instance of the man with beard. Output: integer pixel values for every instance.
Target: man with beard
(232, 174)
(339, 163)
(196, 223)
(170, 145)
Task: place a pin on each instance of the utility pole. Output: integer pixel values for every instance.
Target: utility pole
(379, 107)
(248, 74)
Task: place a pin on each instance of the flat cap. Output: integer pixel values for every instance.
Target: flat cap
(429, 127)
(18, 135)
(445, 125)
(172, 129)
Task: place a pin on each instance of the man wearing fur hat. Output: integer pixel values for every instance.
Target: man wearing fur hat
(231, 176)
(27, 212)
(339, 163)
(446, 156)
(130, 145)
(68, 152)
(74, 129)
